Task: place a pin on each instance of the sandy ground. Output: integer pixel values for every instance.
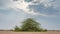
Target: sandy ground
(11, 32)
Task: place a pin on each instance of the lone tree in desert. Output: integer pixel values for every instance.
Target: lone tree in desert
(29, 25)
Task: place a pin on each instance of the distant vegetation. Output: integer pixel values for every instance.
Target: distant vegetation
(29, 25)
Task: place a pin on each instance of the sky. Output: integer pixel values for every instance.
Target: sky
(46, 12)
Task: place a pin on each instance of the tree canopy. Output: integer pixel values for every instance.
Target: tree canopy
(29, 25)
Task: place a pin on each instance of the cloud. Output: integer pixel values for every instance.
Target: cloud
(11, 17)
(34, 7)
(46, 7)
(5, 3)
(24, 6)
(28, 0)
(12, 12)
(39, 7)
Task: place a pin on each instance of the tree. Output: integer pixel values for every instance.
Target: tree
(30, 25)
(16, 28)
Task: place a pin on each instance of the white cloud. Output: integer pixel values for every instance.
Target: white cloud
(21, 4)
(24, 6)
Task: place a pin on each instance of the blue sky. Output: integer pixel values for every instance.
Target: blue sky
(46, 12)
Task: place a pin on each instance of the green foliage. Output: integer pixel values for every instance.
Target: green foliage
(16, 28)
(30, 25)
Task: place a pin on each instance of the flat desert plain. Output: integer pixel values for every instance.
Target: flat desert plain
(12, 32)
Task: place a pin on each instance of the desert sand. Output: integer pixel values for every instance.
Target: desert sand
(12, 32)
